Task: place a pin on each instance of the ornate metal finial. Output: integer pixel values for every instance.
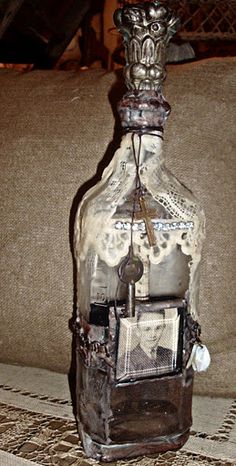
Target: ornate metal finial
(146, 29)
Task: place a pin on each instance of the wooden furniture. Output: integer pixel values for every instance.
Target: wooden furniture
(38, 31)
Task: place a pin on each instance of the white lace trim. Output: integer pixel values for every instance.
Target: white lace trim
(96, 228)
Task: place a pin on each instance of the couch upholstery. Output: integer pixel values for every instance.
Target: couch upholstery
(55, 128)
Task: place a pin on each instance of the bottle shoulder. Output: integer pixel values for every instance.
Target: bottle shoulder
(126, 170)
(162, 191)
(112, 208)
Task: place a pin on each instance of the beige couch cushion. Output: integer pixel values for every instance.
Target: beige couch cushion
(55, 128)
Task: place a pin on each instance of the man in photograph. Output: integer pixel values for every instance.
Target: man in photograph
(148, 356)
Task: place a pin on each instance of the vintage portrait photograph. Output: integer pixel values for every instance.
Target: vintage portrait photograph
(148, 344)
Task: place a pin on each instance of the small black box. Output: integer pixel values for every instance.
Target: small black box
(99, 314)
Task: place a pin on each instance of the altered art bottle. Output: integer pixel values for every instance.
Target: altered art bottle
(138, 241)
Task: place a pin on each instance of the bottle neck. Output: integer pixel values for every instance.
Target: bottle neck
(143, 109)
(145, 148)
(137, 162)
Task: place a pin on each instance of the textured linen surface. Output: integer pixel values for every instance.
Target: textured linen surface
(55, 128)
(37, 423)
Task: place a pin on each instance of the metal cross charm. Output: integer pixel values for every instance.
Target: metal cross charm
(146, 215)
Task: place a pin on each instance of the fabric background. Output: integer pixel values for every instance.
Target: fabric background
(55, 129)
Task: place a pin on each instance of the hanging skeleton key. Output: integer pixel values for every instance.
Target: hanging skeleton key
(130, 272)
(146, 215)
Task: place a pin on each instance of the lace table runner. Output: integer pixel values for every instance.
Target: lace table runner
(37, 426)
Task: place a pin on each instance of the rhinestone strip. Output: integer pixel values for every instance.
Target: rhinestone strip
(158, 226)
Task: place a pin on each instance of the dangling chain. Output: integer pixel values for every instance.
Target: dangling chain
(138, 185)
(138, 194)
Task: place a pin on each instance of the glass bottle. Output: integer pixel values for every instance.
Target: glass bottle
(138, 240)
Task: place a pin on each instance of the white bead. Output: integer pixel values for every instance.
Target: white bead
(200, 358)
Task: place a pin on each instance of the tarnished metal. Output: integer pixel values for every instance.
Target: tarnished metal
(146, 29)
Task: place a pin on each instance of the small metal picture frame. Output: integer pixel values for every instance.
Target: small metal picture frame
(148, 344)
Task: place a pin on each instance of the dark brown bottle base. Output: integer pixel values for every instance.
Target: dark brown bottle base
(128, 420)
(109, 453)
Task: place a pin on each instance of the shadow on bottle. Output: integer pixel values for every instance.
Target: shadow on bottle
(116, 92)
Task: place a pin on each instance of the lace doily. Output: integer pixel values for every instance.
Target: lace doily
(96, 225)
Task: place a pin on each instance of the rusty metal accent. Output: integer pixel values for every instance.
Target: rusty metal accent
(192, 335)
(92, 352)
(147, 215)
